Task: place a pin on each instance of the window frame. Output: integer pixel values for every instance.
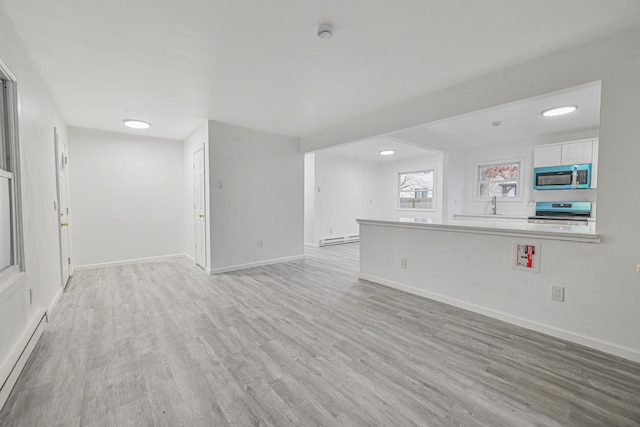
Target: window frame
(10, 168)
(433, 190)
(476, 180)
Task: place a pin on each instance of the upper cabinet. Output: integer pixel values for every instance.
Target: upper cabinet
(576, 153)
(594, 164)
(566, 153)
(569, 153)
(547, 155)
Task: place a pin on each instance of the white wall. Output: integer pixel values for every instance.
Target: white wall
(38, 115)
(525, 152)
(474, 271)
(352, 188)
(198, 139)
(388, 187)
(256, 189)
(603, 286)
(453, 187)
(128, 196)
(310, 199)
(499, 153)
(348, 190)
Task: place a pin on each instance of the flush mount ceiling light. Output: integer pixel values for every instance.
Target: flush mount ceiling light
(559, 111)
(325, 31)
(387, 152)
(136, 124)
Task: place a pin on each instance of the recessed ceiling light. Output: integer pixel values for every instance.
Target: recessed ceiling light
(387, 152)
(559, 111)
(136, 124)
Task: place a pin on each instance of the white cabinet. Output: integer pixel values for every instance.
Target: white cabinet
(473, 218)
(547, 155)
(577, 153)
(482, 218)
(569, 153)
(497, 219)
(594, 164)
(518, 220)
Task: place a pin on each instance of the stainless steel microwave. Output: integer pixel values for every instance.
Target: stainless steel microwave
(562, 177)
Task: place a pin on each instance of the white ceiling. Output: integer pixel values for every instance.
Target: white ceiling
(520, 122)
(369, 150)
(258, 63)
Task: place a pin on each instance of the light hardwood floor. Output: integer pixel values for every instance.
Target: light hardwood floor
(302, 343)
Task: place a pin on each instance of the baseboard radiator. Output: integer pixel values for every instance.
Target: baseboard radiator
(12, 367)
(339, 240)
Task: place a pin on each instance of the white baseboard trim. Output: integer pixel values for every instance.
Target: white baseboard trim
(254, 264)
(311, 245)
(190, 258)
(54, 303)
(128, 261)
(607, 347)
(18, 357)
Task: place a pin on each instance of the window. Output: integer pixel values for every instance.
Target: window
(10, 248)
(415, 190)
(498, 179)
(6, 245)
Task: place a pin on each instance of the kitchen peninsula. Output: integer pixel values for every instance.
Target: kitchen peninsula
(473, 265)
(486, 225)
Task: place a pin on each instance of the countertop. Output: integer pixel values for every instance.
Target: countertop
(500, 217)
(576, 233)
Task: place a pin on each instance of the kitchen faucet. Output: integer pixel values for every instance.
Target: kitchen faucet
(494, 205)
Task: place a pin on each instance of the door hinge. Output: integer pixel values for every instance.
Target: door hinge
(30, 296)
(69, 260)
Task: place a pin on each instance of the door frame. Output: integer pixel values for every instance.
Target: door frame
(57, 140)
(204, 206)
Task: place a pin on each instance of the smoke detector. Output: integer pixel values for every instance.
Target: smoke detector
(325, 31)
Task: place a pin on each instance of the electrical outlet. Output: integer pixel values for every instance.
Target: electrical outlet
(261, 243)
(403, 263)
(557, 293)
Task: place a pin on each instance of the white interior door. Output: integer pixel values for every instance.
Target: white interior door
(199, 206)
(62, 163)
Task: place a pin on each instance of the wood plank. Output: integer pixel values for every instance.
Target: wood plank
(300, 343)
